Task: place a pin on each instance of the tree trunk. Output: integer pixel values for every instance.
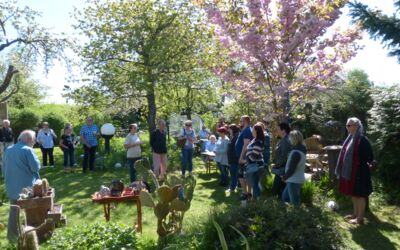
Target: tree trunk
(7, 79)
(151, 102)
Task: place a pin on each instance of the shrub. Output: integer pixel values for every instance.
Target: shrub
(385, 136)
(273, 225)
(95, 236)
(307, 192)
(24, 119)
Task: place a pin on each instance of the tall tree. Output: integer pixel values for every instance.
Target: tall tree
(352, 99)
(281, 48)
(137, 47)
(22, 39)
(379, 25)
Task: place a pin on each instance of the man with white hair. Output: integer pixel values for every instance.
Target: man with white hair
(20, 170)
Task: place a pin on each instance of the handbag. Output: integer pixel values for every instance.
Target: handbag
(252, 168)
(181, 141)
(278, 171)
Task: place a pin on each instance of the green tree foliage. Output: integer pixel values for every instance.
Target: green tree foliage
(29, 93)
(379, 25)
(24, 119)
(137, 48)
(352, 99)
(385, 135)
(23, 42)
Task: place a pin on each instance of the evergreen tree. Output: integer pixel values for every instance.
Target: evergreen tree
(379, 26)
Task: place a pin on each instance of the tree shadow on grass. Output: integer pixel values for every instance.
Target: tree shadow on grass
(218, 194)
(370, 236)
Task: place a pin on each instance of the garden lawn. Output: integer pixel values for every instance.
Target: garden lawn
(73, 190)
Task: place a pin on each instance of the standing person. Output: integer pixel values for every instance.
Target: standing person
(158, 143)
(189, 136)
(46, 138)
(254, 159)
(266, 155)
(21, 169)
(67, 145)
(221, 155)
(88, 135)
(294, 169)
(204, 133)
(280, 157)
(242, 142)
(132, 144)
(353, 169)
(6, 138)
(233, 159)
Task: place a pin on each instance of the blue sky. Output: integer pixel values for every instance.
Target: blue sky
(373, 59)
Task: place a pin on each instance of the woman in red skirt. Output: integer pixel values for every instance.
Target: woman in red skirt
(353, 169)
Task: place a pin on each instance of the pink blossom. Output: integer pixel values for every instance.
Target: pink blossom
(281, 51)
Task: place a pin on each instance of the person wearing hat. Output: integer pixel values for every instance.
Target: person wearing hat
(221, 155)
(46, 138)
(189, 136)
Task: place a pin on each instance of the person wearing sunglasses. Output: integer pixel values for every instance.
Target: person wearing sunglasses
(353, 169)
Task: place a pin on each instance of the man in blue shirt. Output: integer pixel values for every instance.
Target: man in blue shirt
(243, 140)
(89, 133)
(21, 169)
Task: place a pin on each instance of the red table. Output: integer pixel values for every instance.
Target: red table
(125, 196)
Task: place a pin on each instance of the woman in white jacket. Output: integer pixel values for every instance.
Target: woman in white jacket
(221, 155)
(294, 169)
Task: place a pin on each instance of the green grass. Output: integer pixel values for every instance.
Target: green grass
(382, 230)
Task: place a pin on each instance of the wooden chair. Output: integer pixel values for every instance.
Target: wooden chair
(316, 155)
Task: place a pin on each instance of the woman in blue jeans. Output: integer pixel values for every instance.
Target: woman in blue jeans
(294, 169)
(254, 159)
(67, 144)
(221, 155)
(189, 136)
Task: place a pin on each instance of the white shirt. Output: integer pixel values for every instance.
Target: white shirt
(133, 152)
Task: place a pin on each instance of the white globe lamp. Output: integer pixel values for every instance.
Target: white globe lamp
(107, 132)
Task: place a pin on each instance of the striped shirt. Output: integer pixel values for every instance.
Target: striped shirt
(254, 153)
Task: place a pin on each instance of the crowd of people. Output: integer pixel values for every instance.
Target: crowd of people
(242, 155)
(241, 152)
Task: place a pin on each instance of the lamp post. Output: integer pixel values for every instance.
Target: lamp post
(107, 132)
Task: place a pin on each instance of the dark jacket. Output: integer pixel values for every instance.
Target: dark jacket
(158, 142)
(232, 157)
(281, 152)
(363, 183)
(6, 135)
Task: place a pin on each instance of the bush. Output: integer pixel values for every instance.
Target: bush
(24, 119)
(307, 192)
(273, 225)
(95, 236)
(385, 136)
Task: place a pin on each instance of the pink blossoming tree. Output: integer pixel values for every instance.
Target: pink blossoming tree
(281, 48)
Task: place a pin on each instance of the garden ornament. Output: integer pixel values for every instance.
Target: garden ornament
(170, 203)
